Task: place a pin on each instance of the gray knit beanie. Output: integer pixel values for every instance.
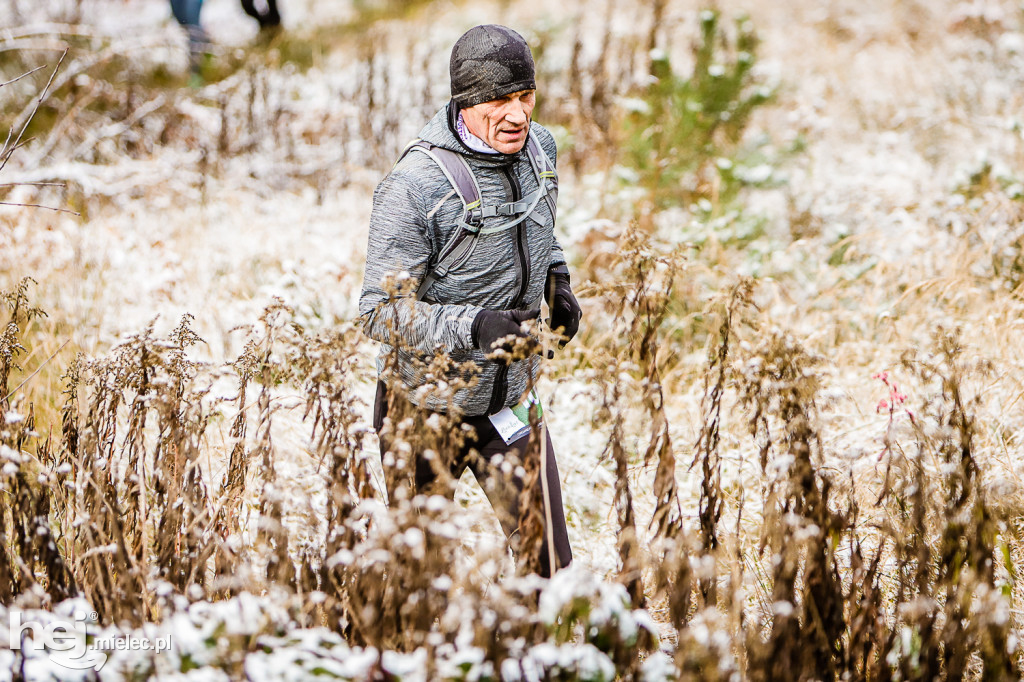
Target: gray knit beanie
(487, 62)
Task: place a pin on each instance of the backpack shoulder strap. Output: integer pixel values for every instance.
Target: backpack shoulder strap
(544, 169)
(455, 169)
(541, 162)
(462, 179)
(458, 172)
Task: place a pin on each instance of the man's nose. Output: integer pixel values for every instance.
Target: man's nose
(516, 114)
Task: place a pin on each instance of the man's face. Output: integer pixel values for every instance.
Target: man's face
(502, 123)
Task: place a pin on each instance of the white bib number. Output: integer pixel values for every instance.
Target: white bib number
(512, 423)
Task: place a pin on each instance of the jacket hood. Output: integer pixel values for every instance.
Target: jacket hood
(440, 132)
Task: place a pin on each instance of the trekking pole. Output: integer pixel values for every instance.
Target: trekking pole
(549, 532)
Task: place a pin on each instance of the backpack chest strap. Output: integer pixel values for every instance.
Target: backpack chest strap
(510, 208)
(523, 208)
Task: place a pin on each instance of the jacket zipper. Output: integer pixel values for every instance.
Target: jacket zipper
(521, 246)
(499, 394)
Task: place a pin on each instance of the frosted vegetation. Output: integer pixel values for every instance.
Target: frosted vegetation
(789, 431)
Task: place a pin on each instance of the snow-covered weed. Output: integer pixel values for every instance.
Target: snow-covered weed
(752, 516)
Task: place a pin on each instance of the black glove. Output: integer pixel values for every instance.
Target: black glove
(565, 311)
(490, 326)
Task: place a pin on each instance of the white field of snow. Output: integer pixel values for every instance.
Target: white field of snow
(895, 105)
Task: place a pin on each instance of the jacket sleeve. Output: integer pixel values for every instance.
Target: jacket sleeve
(557, 257)
(399, 250)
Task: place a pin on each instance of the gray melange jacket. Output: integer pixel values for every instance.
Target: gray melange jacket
(415, 210)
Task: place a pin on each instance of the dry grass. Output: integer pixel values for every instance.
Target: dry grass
(772, 517)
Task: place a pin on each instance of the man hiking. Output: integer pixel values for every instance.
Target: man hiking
(468, 212)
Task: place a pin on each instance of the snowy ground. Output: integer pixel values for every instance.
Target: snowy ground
(894, 106)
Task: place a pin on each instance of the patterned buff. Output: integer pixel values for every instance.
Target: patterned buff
(471, 140)
(487, 62)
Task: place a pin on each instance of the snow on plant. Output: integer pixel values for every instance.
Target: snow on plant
(182, 492)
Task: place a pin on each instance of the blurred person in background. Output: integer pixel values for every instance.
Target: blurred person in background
(468, 212)
(265, 13)
(186, 13)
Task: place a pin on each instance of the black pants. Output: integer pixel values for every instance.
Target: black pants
(268, 18)
(495, 466)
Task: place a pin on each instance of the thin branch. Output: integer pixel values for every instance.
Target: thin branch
(48, 208)
(27, 73)
(10, 134)
(15, 148)
(42, 96)
(33, 184)
(29, 377)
